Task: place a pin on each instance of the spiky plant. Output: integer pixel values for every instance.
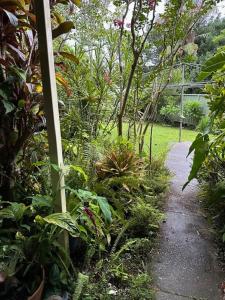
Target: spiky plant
(119, 161)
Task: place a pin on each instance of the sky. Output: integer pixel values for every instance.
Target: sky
(220, 9)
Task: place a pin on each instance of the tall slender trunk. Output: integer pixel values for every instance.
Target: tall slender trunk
(124, 100)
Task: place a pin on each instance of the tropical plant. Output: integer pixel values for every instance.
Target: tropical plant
(21, 101)
(204, 146)
(29, 241)
(119, 161)
(27, 249)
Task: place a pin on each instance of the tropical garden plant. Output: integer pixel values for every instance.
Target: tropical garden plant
(113, 192)
(208, 147)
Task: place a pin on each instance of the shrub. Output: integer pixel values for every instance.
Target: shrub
(193, 111)
(170, 113)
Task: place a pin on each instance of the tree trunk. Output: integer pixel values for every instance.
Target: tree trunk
(120, 125)
(7, 181)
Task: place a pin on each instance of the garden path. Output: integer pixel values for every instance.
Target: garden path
(185, 265)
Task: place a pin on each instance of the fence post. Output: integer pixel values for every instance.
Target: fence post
(51, 103)
(182, 103)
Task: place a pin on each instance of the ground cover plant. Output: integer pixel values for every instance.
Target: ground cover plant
(113, 151)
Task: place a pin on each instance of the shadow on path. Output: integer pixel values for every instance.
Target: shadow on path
(185, 266)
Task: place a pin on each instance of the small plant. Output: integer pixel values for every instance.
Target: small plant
(140, 287)
(119, 161)
(145, 219)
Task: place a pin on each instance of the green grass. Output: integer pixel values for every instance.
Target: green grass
(163, 138)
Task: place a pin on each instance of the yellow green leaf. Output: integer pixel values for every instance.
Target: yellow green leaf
(77, 2)
(69, 56)
(63, 28)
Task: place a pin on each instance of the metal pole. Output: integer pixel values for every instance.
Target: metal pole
(51, 104)
(182, 103)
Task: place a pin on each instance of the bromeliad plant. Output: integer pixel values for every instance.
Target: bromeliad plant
(119, 161)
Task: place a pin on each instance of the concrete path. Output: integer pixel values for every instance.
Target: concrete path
(185, 265)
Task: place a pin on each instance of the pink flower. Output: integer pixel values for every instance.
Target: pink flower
(118, 23)
(90, 214)
(151, 3)
(107, 78)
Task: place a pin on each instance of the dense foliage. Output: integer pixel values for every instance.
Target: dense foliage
(113, 62)
(209, 150)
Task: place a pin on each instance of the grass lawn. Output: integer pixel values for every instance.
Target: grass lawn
(163, 138)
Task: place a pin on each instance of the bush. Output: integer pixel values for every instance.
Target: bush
(193, 111)
(170, 113)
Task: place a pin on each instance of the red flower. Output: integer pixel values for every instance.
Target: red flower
(90, 214)
(151, 3)
(118, 23)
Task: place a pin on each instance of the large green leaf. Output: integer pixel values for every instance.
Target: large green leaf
(101, 202)
(64, 221)
(63, 28)
(105, 208)
(79, 170)
(214, 64)
(19, 72)
(18, 210)
(39, 201)
(201, 149)
(9, 106)
(14, 211)
(84, 195)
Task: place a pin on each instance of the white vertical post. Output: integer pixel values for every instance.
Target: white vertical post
(50, 100)
(182, 103)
